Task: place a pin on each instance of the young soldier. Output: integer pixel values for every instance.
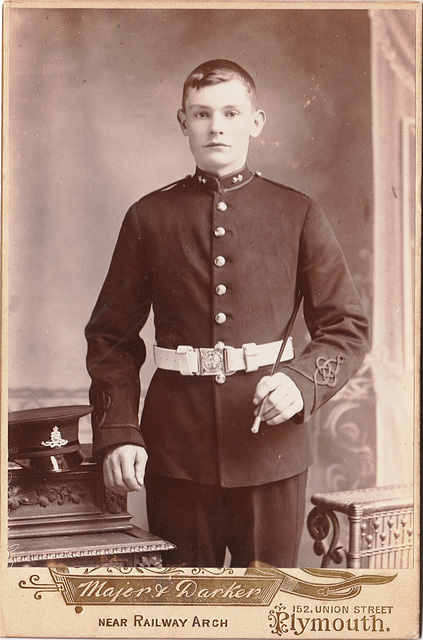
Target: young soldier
(220, 255)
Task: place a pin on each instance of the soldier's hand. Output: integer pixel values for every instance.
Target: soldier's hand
(124, 467)
(284, 401)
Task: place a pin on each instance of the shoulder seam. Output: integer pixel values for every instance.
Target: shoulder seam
(167, 187)
(284, 186)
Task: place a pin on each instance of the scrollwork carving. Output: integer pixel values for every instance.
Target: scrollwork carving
(345, 438)
(113, 503)
(319, 526)
(44, 495)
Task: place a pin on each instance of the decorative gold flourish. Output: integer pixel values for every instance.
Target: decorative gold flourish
(212, 572)
(348, 587)
(160, 571)
(40, 588)
(276, 618)
(340, 584)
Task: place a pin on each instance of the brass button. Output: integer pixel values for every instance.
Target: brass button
(219, 261)
(219, 232)
(220, 289)
(220, 378)
(221, 206)
(220, 318)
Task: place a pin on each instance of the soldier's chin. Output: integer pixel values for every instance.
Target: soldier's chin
(52, 464)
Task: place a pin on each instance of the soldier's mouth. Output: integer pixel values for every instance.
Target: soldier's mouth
(217, 144)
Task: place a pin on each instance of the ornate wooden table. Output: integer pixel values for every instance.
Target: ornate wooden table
(380, 523)
(71, 519)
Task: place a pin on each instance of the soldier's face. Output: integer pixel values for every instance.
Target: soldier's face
(219, 120)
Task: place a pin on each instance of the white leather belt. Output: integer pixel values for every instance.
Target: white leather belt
(220, 359)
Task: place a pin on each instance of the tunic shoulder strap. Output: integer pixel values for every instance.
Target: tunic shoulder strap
(172, 184)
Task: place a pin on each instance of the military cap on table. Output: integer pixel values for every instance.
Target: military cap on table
(46, 439)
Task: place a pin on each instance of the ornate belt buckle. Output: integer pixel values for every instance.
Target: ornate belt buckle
(211, 360)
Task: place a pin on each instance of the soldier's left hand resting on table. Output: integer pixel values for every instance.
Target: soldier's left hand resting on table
(124, 467)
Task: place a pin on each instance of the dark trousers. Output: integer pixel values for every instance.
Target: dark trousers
(257, 524)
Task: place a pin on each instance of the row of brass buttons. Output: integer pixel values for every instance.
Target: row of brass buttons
(220, 261)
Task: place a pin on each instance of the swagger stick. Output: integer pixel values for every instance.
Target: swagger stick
(256, 424)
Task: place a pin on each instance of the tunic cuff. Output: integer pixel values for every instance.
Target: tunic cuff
(306, 388)
(108, 437)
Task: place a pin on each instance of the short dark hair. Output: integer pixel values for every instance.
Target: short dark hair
(214, 72)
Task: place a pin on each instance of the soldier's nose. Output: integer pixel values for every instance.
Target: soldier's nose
(216, 125)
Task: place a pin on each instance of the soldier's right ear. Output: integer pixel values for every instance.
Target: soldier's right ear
(182, 119)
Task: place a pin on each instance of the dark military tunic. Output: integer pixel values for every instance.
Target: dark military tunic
(220, 260)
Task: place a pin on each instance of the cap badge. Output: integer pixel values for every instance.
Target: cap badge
(56, 439)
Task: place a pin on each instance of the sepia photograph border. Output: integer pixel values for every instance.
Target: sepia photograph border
(55, 598)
